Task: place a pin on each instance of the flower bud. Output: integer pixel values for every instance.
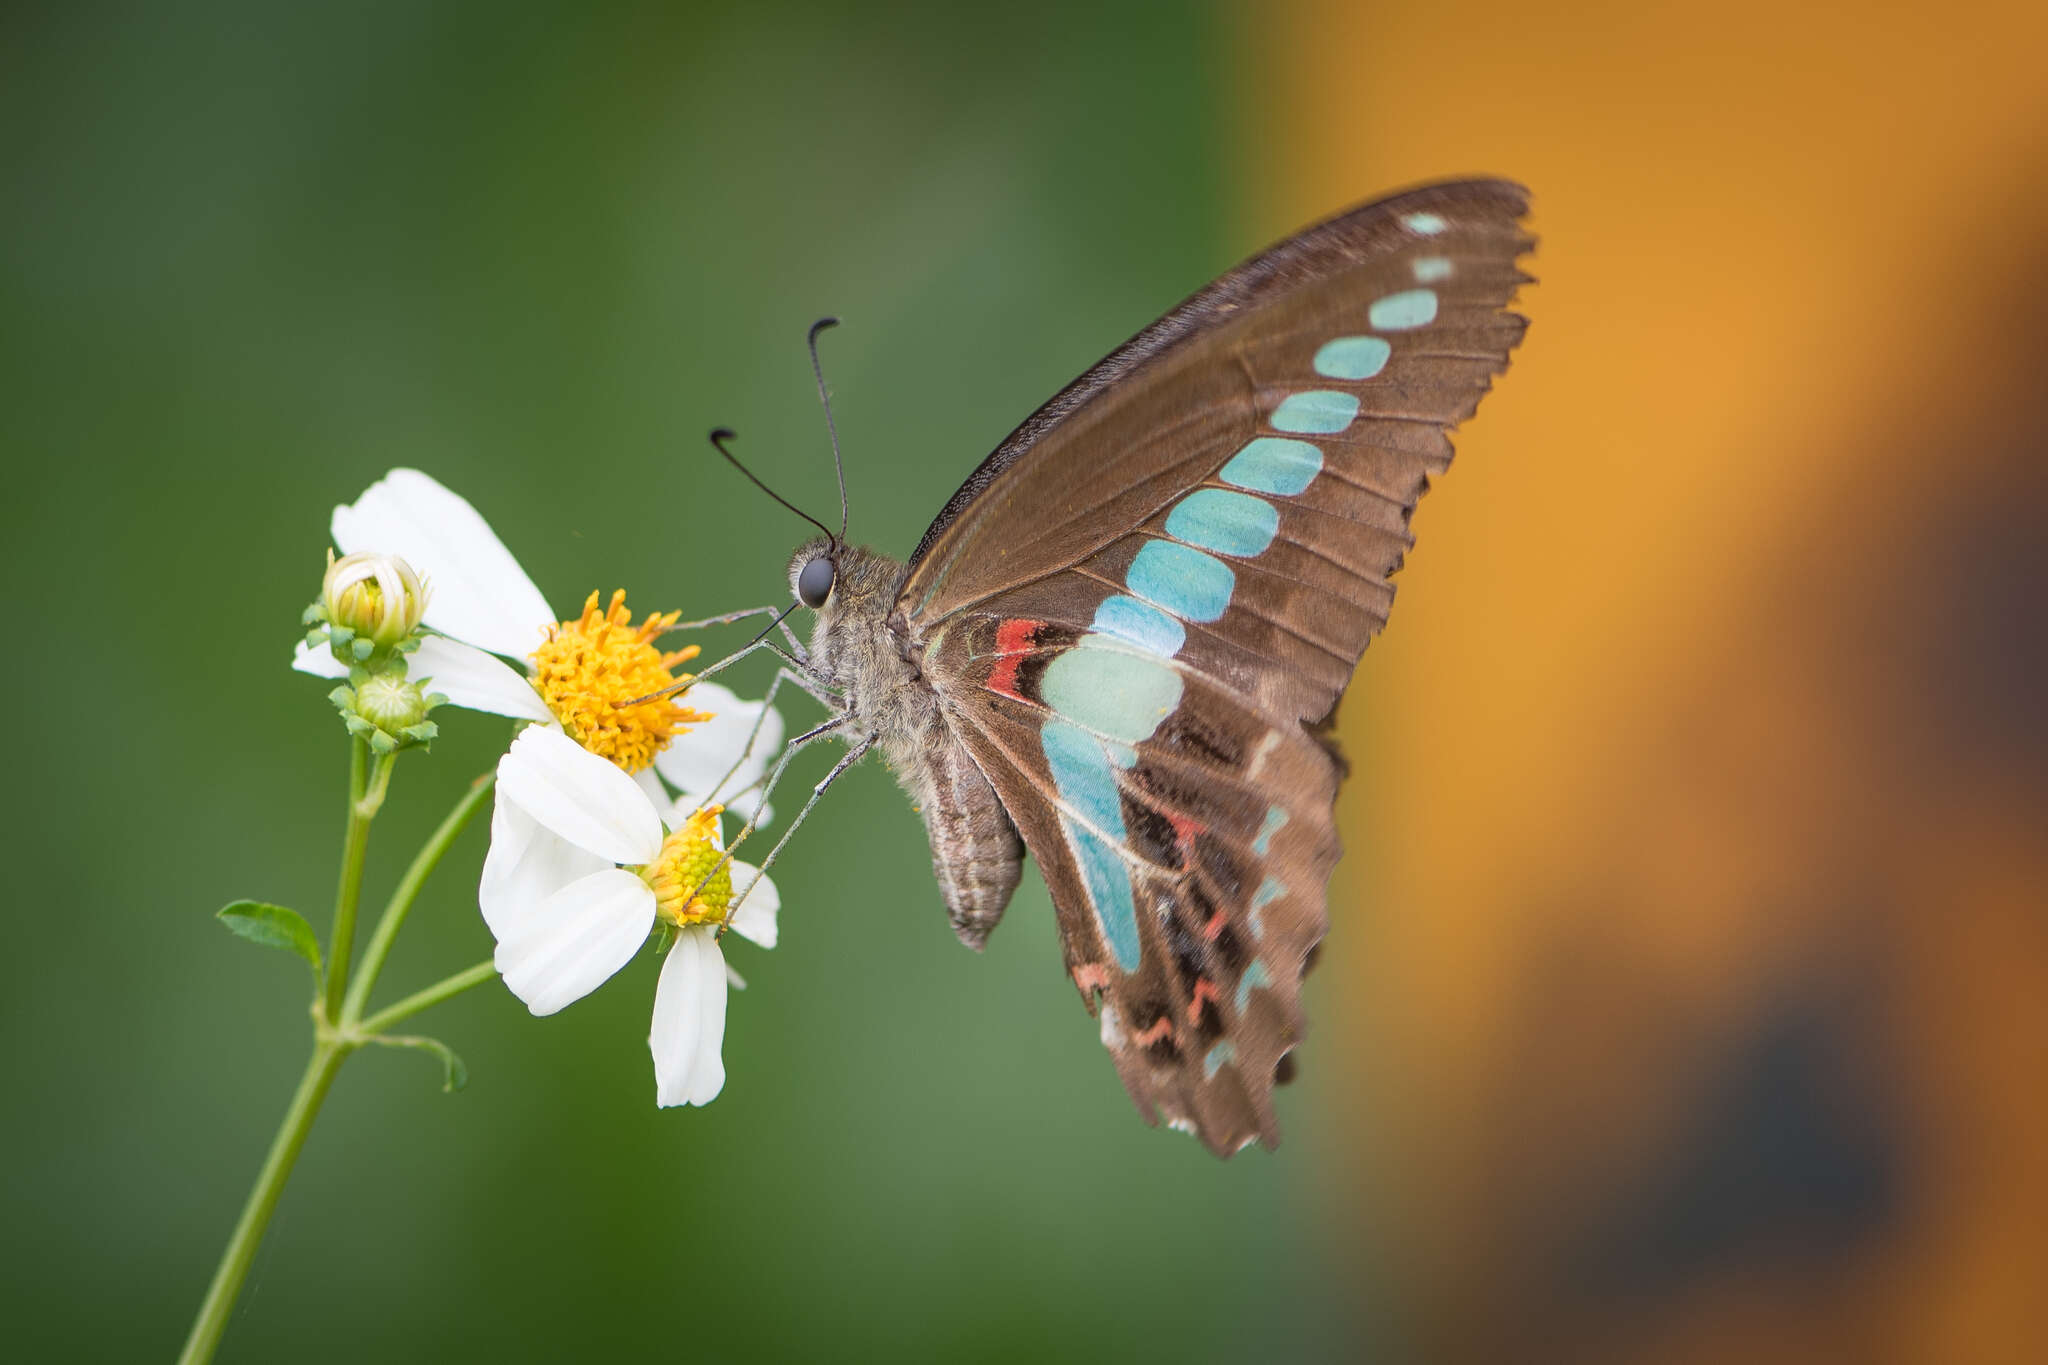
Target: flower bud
(391, 704)
(376, 596)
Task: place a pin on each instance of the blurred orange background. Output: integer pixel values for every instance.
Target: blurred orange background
(1697, 960)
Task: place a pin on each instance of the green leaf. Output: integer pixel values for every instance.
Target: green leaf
(454, 1075)
(273, 926)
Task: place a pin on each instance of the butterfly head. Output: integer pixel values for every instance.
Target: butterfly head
(813, 571)
(830, 576)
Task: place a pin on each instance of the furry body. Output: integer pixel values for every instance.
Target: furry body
(977, 856)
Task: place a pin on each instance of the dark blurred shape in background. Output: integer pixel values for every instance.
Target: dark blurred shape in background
(1688, 993)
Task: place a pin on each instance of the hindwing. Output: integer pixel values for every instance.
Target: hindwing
(1140, 612)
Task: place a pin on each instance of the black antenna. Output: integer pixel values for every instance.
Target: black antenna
(831, 427)
(720, 437)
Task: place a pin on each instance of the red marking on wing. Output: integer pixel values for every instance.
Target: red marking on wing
(1204, 990)
(1184, 832)
(1091, 976)
(1013, 642)
(1215, 925)
(1162, 1027)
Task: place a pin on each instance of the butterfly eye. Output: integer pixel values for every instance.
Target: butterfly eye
(814, 584)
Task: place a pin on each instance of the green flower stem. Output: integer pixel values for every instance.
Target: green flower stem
(368, 777)
(419, 1000)
(277, 1168)
(336, 1012)
(400, 905)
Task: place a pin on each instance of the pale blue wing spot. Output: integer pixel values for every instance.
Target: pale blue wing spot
(1273, 464)
(1353, 357)
(1275, 817)
(1427, 224)
(1111, 690)
(1109, 886)
(1188, 583)
(1080, 769)
(1399, 312)
(1226, 522)
(1270, 890)
(1319, 412)
(1219, 1056)
(1431, 269)
(1254, 977)
(1140, 624)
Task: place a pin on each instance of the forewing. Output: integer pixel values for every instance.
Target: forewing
(1140, 609)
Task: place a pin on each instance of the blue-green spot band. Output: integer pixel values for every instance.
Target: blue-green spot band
(1274, 464)
(1141, 624)
(1319, 412)
(1226, 522)
(1353, 357)
(1399, 312)
(1184, 581)
(1110, 689)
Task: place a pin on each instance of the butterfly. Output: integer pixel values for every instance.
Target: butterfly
(1121, 644)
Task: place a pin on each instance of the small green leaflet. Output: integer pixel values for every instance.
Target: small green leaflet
(273, 926)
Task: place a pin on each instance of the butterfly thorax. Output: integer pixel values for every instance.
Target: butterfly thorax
(853, 648)
(860, 645)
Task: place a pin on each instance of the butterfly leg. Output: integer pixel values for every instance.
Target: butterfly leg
(779, 613)
(789, 751)
(782, 675)
(807, 677)
(851, 757)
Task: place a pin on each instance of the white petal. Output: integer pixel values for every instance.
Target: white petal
(757, 918)
(477, 591)
(734, 979)
(464, 674)
(526, 865)
(586, 799)
(688, 1032)
(573, 941)
(470, 678)
(319, 660)
(708, 1077)
(650, 782)
(698, 759)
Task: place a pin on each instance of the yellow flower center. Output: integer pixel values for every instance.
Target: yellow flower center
(686, 858)
(589, 667)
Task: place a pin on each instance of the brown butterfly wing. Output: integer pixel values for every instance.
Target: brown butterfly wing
(1143, 606)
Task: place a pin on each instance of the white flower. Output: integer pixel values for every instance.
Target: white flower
(484, 605)
(579, 874)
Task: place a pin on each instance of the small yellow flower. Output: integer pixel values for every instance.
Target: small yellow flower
(686, 858)
(588, 667)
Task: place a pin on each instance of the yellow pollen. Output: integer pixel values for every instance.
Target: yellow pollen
(589, 667)
(686, 857)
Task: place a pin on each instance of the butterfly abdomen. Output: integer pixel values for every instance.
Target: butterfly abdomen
(977, 856)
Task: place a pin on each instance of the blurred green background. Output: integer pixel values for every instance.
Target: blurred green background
(257, 255)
